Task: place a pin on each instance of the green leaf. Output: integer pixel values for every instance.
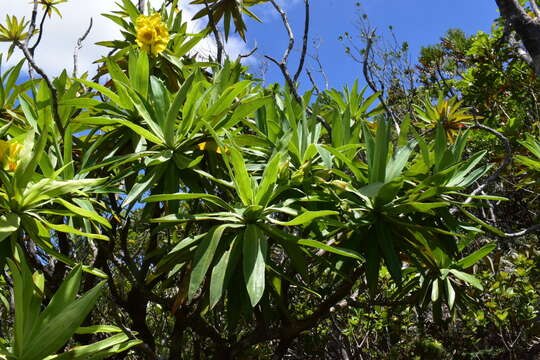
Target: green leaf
(435, 290)
(386, 242)
(379, 152)
(481, 222)
(172, 114)
(468, 278)
(53, 334)
(332, 249)
(64, 296)
(152, 176)
(100, 350)
(102, 89)
(266, 186)
(92, 215)
(71, 230)
(98, 329)
(139, 72)
(9, 223)
(306, 217)
(222, 272)
(241, 177)
(189, 196)
(254, 254)
(451, 293)
(203, 257)
(476, 256)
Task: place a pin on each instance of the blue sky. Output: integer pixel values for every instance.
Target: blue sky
(419, 22)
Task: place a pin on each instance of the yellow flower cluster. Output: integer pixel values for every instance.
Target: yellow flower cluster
(152, 34)
(9, 151)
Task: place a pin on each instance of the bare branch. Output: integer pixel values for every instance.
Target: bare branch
(285, 71)
(40, 35)
(78, 47)
(523, 232)
(310, 76)
(317, 59)
(251, 52)
(365, 69)
(289, 31)
(304, 44)
(32, 26)
(215, 31)
(54, 94)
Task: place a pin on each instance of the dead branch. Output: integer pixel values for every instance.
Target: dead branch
(215, 31)
(365, 69)
(78, 47)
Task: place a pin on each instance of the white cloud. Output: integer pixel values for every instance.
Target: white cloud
(55, 52)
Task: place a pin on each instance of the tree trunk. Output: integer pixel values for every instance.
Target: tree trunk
(527, 28)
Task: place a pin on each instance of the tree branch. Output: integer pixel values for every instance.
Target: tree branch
(78, 47)
(304, 44)
(527, 28)
(365, 69)
(40, 35)
(215, 31)
(289, 31)
(32, 26)
(54, 93)
(285, 70)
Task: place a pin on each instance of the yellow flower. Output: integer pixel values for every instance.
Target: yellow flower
(212, 146)
(152, 34)
(9, 151)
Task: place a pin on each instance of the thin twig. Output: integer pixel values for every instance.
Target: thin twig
(321, 68)
(304, 44)
(251, 52)
(312, 80)
(78, 47)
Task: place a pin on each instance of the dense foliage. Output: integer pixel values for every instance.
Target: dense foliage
(214, 216)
